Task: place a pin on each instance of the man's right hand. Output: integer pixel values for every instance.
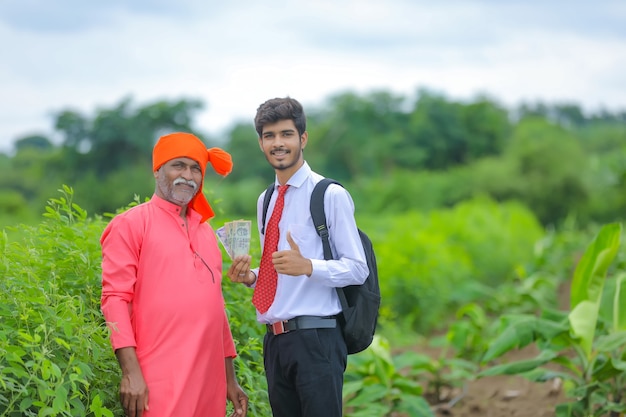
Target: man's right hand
(239, 270)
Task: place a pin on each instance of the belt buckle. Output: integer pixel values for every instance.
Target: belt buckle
(279, 328)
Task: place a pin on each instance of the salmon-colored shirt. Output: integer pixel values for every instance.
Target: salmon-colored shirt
(162, 294)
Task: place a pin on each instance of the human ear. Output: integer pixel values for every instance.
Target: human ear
(304, 139)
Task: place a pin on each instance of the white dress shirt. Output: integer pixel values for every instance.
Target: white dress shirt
(314, 295)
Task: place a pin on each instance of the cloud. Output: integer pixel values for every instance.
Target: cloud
(76, 16)
(235, 55)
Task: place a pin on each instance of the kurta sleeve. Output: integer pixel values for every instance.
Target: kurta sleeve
(120, 256)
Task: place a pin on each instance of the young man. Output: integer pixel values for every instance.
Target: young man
(294, 287)
(162, 296)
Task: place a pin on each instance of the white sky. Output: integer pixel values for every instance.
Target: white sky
(233, 55)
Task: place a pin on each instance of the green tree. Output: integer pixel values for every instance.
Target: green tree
(39, 142)
(445, 133)
(357, 136)
(121, 135)
(487, 126)
(108, 158)
(248, 160)
(549, 168)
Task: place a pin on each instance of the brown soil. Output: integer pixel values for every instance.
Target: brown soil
(506, 396)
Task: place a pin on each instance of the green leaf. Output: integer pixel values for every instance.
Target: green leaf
(372, 410)
(611, 342)
(619, 304)
(544, 374)
(415, 406)
(588, 280)
(63, 343)
(368, 395)
(46, 411)
(352, 387)
(407, 386)
(513, 337)
(412, 360)
(25, 403)
(519, 367)
(570, 409)
(619, 364)
(520, 331)
(60, 397)
(583, 319)
(606, 370)
(588, 283)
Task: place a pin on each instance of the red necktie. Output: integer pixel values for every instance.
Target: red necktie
(265, 288)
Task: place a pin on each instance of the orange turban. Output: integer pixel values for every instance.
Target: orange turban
(178, 145)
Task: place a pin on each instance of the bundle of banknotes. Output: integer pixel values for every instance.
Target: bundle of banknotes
(235, 237)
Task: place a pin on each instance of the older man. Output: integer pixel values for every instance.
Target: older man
(161, 292)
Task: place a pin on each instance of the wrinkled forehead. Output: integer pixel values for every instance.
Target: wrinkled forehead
(183, 160)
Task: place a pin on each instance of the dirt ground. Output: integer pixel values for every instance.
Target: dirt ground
(504, 396)
(507, 396)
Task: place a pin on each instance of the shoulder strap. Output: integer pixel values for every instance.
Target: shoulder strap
(318, 215)
(266, 204)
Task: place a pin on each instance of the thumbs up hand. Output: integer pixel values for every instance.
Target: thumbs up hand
(292, 243)
(290, 261)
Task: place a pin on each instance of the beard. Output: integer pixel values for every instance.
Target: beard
(180, 191)
(287, 163)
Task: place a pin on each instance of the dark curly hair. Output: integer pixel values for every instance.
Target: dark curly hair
(277, 109)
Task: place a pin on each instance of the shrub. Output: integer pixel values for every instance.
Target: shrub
(55, 354)
(428, 262)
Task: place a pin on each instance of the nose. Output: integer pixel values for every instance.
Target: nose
(187, 174)
(278, 141)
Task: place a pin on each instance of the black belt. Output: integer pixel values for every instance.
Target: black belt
(302, 322)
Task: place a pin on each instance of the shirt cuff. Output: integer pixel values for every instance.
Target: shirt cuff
(255, 271)
(319, 269)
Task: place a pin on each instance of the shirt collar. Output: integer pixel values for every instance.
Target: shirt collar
(299, 177)
(174, 208)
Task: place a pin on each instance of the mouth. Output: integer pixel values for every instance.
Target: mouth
(279, 152)
(185, 188)
(185, 184)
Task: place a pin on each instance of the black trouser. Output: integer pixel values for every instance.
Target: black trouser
(304, 370)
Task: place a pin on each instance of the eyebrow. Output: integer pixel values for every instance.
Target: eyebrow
(271, 132)
(181, 162)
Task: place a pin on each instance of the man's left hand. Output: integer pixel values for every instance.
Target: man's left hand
(238, 397)
(291, 261)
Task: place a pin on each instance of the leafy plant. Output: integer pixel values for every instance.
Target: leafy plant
(55, 354)
(55, 358)
(433, 260)
(376, 387)
(467, 334)
(590, 353)
(444, 375)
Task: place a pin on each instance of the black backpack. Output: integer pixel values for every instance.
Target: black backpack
(359, 303)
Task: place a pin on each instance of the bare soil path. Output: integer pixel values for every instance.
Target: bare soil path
(509, 396)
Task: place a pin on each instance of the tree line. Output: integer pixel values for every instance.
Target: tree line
(395, 152)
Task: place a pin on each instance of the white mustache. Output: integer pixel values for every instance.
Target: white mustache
(191, 183)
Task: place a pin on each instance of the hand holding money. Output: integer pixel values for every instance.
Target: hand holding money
(235, 237)
(239, 270)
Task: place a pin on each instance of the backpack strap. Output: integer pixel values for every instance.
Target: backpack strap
(318, 215)
(266, 204)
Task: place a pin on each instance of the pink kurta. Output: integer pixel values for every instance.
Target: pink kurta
(161, 292)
